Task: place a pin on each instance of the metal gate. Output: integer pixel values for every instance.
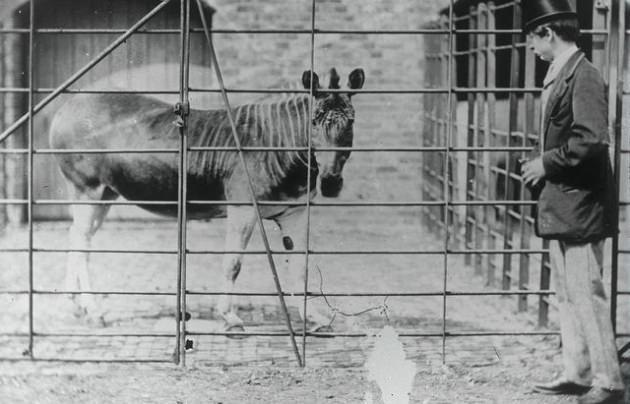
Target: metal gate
(487, 121)
(482, 218)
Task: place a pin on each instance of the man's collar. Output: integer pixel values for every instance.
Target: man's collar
(560, 60)
(558, 63)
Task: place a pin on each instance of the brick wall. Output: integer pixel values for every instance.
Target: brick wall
(390, 61)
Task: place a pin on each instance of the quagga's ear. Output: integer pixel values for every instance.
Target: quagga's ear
(334, 79)
(356, 79)
(306, 81)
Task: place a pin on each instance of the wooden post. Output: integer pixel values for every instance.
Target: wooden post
(14, 108)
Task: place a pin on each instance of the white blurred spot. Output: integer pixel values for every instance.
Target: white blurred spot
(390, 370)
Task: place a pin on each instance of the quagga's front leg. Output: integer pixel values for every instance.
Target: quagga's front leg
(240, 223)
(293, 227)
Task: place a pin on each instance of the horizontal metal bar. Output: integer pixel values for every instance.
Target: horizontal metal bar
(317, 31)
(286, 293)
(84, 360)
(61, 202)
(236, 203)
(363, 334)
(381, 294)
(490, 149)
(283, 252)
(466, 90)
(89, 91)
(505, 5)
(440, 90)
(93, 292)
(104, 151)
(90, 250)
(99, 202)
(492, 203)
(520, 31)
(153, 31)
(229, 90)
(225, 148)
(325, 149)
(489, 251)
(100, 335)
(272, 149)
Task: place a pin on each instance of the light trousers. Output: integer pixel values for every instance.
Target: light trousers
(589, 351)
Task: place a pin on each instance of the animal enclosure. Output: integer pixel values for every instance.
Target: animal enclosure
(431, 188)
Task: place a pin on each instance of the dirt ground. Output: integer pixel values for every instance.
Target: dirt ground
(484, 369)
(507, 381)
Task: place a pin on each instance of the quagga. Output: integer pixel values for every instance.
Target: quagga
(127, 121)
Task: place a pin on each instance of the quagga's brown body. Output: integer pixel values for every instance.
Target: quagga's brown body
(126, 121)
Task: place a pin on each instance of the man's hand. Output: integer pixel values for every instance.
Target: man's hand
(533, 171)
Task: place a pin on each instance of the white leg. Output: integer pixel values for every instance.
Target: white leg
(293, 227)
(240, 224)
(87, 219)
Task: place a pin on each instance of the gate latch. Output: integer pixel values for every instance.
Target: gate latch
(181, 110)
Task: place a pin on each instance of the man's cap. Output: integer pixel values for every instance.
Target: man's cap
(537, 12)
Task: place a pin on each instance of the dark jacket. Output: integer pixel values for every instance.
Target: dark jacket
(577, 202)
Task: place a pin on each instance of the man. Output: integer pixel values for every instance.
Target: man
(572, 179)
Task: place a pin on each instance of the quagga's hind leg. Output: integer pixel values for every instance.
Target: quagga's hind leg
(317, 313)
(86, 220)
(240, 224)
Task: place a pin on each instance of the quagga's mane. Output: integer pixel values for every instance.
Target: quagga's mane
(280, 123)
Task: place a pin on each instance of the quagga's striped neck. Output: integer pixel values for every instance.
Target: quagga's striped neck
(269, 124)
(283, 123)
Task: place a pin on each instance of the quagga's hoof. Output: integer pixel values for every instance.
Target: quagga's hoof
(236, 329)
(322, 330)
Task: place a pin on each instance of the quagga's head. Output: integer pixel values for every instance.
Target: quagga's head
(333, 120)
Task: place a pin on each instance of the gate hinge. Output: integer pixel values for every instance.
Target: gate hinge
(602, 5)
(181, 110)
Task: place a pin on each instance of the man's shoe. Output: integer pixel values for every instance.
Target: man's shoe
(599, 395)
(561, 386)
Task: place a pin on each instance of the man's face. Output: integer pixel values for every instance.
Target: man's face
(539, 41)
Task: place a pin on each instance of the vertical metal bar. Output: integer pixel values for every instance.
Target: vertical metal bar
(482, 158)
(617, 37)
(449, 135)
(545, 282)
(29, 211)
(471, 169)
(3, 105)
(600, 52)
(490, 140)
(15, 103)
(308, 186)
(525, 229)
(182, 180)
(259, 218)
(509, 160)
(545, 270)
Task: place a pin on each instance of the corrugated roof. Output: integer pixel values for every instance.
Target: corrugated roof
(7, 7)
